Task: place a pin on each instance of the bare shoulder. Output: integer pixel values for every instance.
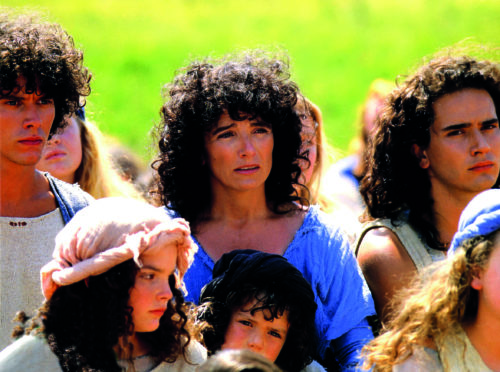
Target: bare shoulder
(386, 265)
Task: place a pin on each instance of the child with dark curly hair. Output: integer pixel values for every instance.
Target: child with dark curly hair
(114, 300)
(261, 302)
(230, 149)
(42, 79)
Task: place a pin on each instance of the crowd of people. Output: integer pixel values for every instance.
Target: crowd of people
(246, 247)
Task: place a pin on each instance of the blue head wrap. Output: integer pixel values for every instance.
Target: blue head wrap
(480, 217)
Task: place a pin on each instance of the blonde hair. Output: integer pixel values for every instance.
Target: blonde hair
(325, 155)
(95, 174)
(439, 301)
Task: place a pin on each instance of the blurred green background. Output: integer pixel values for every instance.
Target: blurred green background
(337, 47)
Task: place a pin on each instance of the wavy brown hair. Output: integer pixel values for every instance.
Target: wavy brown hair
(394, 181)
(45, 55)
(82, 322)
(433, 307)
(245, 86)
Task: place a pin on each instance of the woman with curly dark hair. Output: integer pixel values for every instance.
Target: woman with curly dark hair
(230, 144)
(113, 296)
(259, 301)
(436, 145)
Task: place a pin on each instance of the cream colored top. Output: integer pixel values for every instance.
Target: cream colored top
(421, 254)
(455, 354)
(32, 353)
(26, 244)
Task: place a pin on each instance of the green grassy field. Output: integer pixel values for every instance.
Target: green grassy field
(336, 47)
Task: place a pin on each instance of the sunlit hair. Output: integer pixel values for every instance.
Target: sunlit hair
(432, 308)
(277, 287)
(325, 155)
(242, 360)
(394, 181)
(250, 85)
(45, 55)
(95, 174)
(82, 322)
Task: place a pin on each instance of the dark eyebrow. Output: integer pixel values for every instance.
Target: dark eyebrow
(260, 123)
(222, 129)
(449, 128)
(490, 121)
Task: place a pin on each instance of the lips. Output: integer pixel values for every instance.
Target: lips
(31, 141)
(482, 166)
(248, 168)
(158, 312)
(55, 154)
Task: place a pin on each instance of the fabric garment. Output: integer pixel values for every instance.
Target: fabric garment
(322, 254)
(19, 271)
(343, 190)
(32, 353)
(314, 367)
(420, 253)
(456, 353)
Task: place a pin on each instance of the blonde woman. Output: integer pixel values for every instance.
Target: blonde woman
(316, 149)
(78, 155)
(450, 321)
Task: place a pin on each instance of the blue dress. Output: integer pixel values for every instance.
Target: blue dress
(322, 254)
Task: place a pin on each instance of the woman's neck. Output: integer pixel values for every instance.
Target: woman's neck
(238, 205)
(122, 349)
(480, 334)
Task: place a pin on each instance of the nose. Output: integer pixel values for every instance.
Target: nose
(54, 140)
(480, 143)
(255, 341)
(247, 147)
(32, 118)
(164, 291)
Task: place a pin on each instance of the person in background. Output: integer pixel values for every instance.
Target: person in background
(113, 296)
(228, 162)
(450, 318)
(435, 147)
(242, 360)
(42, 79)
(342, 179)
(78, 155)
(318, 152)
(259, 301)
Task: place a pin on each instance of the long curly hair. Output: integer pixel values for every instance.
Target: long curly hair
(82, 322)
(45, 55)
(246, 275)
(433, 307)
(244, 86)
(394, 181)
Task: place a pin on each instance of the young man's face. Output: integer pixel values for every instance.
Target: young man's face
(463, 157)
(25, 122)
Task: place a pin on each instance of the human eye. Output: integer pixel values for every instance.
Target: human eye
(46, 101)
(275, 334)
(261, 130)
(223, 135)
(10, 101)
(490, 125)
(147, 275)
(245, 322)
(455, 132)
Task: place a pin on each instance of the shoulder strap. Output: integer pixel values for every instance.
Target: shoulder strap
(406, 235)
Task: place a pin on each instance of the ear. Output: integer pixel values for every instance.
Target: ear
(477, 280)
(421, 156)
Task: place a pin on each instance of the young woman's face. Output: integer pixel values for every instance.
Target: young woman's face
(309, 147)
(151, 292)
(239, 154)
(62, 154)
(254, 332)
(487, 283)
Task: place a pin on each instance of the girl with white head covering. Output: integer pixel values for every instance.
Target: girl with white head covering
(450, 319)
(113, 296)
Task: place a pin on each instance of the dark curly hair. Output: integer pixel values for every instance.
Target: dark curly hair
(45, 55)
(244, 275)
(247, 86)
(394, 181)
(82, 322)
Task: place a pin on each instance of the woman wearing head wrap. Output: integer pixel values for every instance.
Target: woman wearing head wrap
(259, 301)
(113, 299)
(450, 320)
